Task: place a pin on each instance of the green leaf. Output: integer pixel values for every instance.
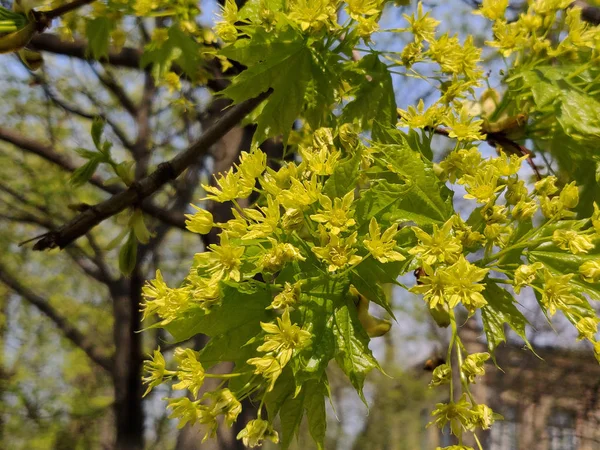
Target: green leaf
(290, 416)
(179, 48)
(83, 174)
(501, 309)
(136, 222)
(374, 98)
(128, 254)
(285, 67)
(314, 404)
(240, 305)
(285, 387)
(352, 346)
(231, 345)
(97, 130)
(343, 178)
(315, 313)
(97, 32)
(428, 197)
(561, 263)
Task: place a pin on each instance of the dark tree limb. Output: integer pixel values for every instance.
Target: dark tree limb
(139, 190)
(80, 340)
(49, 154)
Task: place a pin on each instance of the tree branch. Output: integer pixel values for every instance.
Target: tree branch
(49, 154)
(127, 57)
(138, 191)
(64, 9)
(69, 331)
(589, 13)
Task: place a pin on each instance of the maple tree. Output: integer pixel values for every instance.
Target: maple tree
(353, 201)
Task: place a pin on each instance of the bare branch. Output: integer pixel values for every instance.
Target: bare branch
(69, 331)
(589, 13)
(49, 154)
(138, 191)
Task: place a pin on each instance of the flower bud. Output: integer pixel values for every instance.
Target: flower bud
(590, 271)
(201, 222)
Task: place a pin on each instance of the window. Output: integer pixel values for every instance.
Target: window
(503, 435)
(561, 430)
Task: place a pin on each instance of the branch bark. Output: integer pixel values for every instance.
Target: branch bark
(69, 331)
(138, 191)
(49, 154)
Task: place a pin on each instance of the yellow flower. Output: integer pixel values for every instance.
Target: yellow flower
(590, 271)
(173, 82)
(164, 301)
(461, 281)
(442, 374)
(257, 431)
(461, 162)
(419, 118)
(288, 297)
(301, 195)
(525, 275)
(507, 166)
(321, 160)
(546, 186)
(223, 261)
(266, 218)
(441, 246)
(313, 14)
(492, 9)
(190, 371)
(231, 186)
(569, 195)
(458, 414)
(587, 328)
(483, 186)
(278, 255)
(524, 210)
(557, 292)
(185, 410)
(571, 240)
(465, 128)
(204, 292)
(268, 366)
(432, 288)
(337, 252)
(422, 26)
(336, 215)
(200, 222)
(223, 403)
(382, 246)
(473, 365)
(156, 369)
(283, 338)
(252, 165)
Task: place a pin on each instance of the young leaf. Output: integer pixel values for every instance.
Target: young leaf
(500, 310)
(128, 254)
(97, 130)
(98, 35)
(352, 346)
(136, 222)
(285, 67)
(83, 174)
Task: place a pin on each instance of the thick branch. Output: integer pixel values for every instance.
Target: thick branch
(49, 154)
(138, 191)
(69, 331)
(127, 57)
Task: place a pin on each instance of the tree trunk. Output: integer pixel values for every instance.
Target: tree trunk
(127, 374)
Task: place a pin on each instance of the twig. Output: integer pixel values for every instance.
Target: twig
(138, 191)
